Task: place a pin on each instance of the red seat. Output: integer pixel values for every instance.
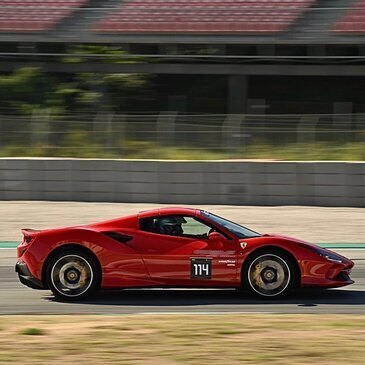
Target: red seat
(35, 15)
(354, 20)
(197, 16)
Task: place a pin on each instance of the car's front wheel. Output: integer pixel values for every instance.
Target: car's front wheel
(269, 274)
(72, 275)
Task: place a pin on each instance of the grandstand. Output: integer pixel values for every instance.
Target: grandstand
(353, 20)
(35, 15)
(210, 16)
(229, 20)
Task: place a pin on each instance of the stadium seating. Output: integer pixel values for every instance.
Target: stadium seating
(354, 20)
(35, 15)
(203, 16)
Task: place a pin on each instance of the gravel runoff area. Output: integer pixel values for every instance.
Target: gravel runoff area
(315, 224)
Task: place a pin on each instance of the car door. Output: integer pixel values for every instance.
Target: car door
(189, 255)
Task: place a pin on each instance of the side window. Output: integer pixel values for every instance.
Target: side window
(183, 226)
(193, 227)
(146, 224)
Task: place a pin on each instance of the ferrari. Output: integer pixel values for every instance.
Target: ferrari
(173, 247)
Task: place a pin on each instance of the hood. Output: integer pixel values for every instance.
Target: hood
(272, 238)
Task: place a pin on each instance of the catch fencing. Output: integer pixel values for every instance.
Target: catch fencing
(224, 136)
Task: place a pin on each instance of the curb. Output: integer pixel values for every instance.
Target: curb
(348, 246)
(8, 244)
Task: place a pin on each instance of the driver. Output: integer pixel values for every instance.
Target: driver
(171, 226)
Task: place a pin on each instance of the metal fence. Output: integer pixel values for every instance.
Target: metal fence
(116, 134)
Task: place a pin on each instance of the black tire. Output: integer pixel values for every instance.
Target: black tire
(269, 274)
(72, 275)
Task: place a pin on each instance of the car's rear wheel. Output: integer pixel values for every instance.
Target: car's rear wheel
(72, 275)
(269, 274)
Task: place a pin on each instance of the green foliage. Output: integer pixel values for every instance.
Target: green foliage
(24, 91)
(33, 332)
(112, 54)
(28, 89)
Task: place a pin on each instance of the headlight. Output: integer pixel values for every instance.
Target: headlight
(327, 254)
(333, 258)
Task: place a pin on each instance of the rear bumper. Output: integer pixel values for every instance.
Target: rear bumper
(26, 278)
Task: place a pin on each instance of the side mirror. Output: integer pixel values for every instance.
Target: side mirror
(216, 236)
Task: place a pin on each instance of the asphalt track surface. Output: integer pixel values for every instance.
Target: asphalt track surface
(18, 299)
(311, 224)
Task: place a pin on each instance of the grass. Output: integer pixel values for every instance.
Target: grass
(325, 151)
(184, 339)
(321, 151)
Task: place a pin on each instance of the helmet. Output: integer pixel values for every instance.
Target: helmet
(170, 225)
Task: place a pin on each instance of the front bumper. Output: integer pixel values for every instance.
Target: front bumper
(328, 274)
(26, 278)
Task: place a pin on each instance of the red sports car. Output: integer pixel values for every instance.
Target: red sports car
(173, 247)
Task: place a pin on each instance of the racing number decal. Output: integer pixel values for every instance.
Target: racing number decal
(201, 268)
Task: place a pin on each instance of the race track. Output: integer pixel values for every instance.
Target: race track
(16, 298)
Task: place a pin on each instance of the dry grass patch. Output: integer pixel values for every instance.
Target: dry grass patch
(184, 339)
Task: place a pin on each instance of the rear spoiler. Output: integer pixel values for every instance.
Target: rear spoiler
(29, 233)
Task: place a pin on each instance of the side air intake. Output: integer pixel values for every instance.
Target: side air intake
(120, 237)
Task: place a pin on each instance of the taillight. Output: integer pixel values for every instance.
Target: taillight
(21, 250)
(27, 239)
(23, 246)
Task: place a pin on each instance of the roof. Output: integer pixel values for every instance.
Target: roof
(167, 211)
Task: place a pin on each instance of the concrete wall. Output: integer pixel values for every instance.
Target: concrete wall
(215, 182)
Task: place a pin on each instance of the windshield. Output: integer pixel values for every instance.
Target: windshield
(236, 229)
